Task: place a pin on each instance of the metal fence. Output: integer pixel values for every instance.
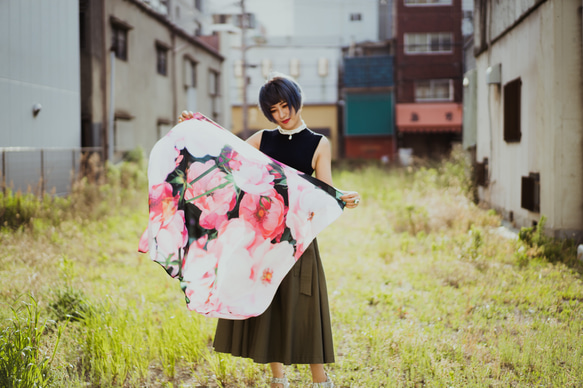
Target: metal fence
(42, 170)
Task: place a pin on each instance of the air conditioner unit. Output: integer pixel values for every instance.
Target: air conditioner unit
(494, 74)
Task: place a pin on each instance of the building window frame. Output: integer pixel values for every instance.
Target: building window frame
(119, 38)
(190, 72)
(512, 111)
(427, 3)
(214, 83)
(428, 43)
(433, 85)
(162, 50)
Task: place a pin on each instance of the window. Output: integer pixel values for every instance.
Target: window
(164, 7)
(530, 192)
(429, 43)
(481, 173)
(119, 42)
(512, 131)
(197, 29)
(355, 17)
(215, 91)
(198, 4)
(248, 21)
(161, 59)
(214, 83)
(428, 2)
(434, 90)
(220, 19)
(189, 72)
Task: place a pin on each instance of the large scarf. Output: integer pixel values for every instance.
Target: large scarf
(228, 221)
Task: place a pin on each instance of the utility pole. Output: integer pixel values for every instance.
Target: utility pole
(245, 133)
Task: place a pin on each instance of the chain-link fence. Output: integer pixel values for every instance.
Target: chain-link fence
(41, 170)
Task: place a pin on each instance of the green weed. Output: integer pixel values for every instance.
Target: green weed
(24, 361)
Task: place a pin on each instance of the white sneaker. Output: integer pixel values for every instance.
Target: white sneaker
(280, 380)
(327, 384)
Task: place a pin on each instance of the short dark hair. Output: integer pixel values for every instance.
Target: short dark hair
(279, 88)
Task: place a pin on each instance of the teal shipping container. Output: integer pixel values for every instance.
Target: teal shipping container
(369, 114)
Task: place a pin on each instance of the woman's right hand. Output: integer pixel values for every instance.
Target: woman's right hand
(186, 115)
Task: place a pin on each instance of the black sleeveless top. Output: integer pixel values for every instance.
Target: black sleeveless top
(297, 152)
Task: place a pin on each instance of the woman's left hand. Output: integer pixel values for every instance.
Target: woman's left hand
(351, 198)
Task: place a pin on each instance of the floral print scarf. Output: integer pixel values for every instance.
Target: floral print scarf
(228, 221)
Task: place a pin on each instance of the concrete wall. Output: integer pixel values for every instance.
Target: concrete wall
(39, 63)
(544, 50)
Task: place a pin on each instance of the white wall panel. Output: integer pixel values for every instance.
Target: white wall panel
(39, 63)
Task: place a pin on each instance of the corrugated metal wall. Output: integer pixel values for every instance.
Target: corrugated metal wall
(372, 71)
(39, 63)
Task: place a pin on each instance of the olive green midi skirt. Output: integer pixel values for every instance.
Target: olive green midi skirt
(295, 328)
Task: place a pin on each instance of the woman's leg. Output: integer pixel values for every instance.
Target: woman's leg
(276, 371)
(318, 373)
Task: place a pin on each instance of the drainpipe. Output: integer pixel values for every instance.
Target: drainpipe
(244, 106)
(174, 87)
(111, 106)
(103, 81)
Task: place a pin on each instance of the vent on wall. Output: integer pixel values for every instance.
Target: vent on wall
(530, 192)
(512, 130)
(482, 173)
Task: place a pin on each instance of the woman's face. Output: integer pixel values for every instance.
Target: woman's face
(285, 116)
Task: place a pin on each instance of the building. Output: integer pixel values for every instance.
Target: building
(39, 93)
(189, 15)
(429, 69)
(303, 39)
(138, 72)
(367, 91)
(529, 111)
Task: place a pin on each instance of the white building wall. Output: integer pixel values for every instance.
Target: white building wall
(39, 63)
(146, 96)
(307, 30)
(544, 50)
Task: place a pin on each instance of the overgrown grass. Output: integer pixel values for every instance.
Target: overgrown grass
(424, 291)
(23, 360)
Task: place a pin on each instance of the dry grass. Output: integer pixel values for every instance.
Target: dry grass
(424, 292)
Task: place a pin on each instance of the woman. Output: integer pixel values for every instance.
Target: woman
(295, 328)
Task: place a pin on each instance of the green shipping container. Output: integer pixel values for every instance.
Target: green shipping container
(369, 114)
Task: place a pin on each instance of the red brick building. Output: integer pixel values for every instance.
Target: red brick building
(428, 75)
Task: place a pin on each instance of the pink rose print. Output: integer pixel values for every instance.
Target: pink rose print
(253, 178)
(167, 225)
(229, 159)
(163, 204)
(211, 193)
(265, 213)
(171, 238)
(307, 214)
(215, 279)
(199, 273)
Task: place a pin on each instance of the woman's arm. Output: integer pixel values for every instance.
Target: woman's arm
(322, 161)
(255, 139)
(322, 164)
